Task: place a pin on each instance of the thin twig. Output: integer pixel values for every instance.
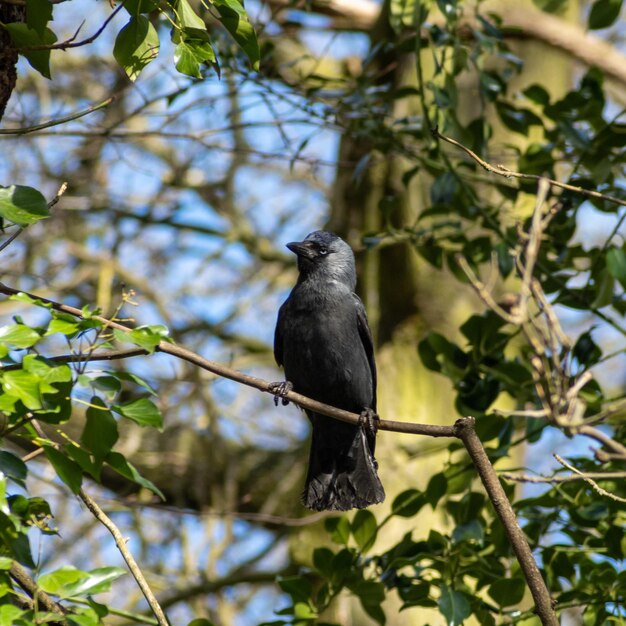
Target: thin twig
(544, 604)
(56, 122)
(120, 542)
(588, 480)
(598, 435)
(503, 171)
(70, 43)
(566, 478)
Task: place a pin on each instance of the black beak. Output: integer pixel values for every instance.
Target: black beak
(302, 249)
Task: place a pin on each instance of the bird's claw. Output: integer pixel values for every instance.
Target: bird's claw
(369, 420)
(280, 390)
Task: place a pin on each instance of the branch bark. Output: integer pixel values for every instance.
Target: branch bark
(544, 604)
(40, 598)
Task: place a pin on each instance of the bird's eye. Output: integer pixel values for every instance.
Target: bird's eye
(323, 251)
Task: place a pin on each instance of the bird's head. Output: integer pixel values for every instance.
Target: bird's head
(324, 254)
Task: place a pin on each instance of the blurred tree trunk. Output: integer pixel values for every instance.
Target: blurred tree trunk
(397, 285)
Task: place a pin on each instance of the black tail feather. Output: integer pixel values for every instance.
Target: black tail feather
(342, 470)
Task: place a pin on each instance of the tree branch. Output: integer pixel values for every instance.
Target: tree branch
(544, 604)
(40, 598)
(120, 542)
(503, 171)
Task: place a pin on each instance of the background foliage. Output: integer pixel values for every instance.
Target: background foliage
(225, 141)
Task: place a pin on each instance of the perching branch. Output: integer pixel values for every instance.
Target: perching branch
(463, 430)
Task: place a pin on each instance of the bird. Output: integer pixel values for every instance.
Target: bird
(324, 343)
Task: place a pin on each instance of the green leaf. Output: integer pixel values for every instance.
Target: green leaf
(454, 606)
(136, 45)
(100, 432)
(38, 14)
(298, 587)
(134, 7)
(143, 412)
(96, 581)
(22, 205)
(13, 467)
(408, 503)
(603, 13)
(190, 54)
(616, 264)
(9, 615)
(133, 378)
(117, 462)
(19, 335)
(436, 489)
(339, 529)
(24, 37)
(23, 386)
(200, 621)
(364, 529)
(147, 337)
(187, 17)
(507, 592)
(62, 326)
(235, 19)
(67, 470)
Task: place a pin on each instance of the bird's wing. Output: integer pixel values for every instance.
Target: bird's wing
(368, 343)
(278, 337)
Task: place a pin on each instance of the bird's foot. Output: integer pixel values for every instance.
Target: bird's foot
(280, 390)
(369, 420)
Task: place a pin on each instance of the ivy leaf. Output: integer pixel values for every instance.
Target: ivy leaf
(190, 53)
(119, 463)
(38, 14)
(24, 386)
(19, 335)
(338, 528)
(22, 205)
(136, 45)
(143, 412)
(24, 37)
(100, 432)
(67, 470)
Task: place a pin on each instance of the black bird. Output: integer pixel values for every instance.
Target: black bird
(324, 343)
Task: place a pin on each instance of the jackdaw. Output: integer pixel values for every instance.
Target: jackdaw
(325, 345)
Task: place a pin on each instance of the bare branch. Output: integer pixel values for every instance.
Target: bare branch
(120, 542)
(40, 598)
(563, 478)
(502, 171)
(588, 480)
(56, 122)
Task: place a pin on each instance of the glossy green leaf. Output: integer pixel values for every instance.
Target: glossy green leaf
(616, 264)
(38, 14)
(13, 467)
(191, 54)
(24, 386)
(136, 45)
(100, 432)
(22, 205)
(143, 412)
(453, 605)
(24, 37)
(19, 335)
(117, 462)
(67, 470)
(408, 503)
(364, 529)
(298, 587)
(339, 529)
(507, 591)
(604, 13)
(235, 19)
